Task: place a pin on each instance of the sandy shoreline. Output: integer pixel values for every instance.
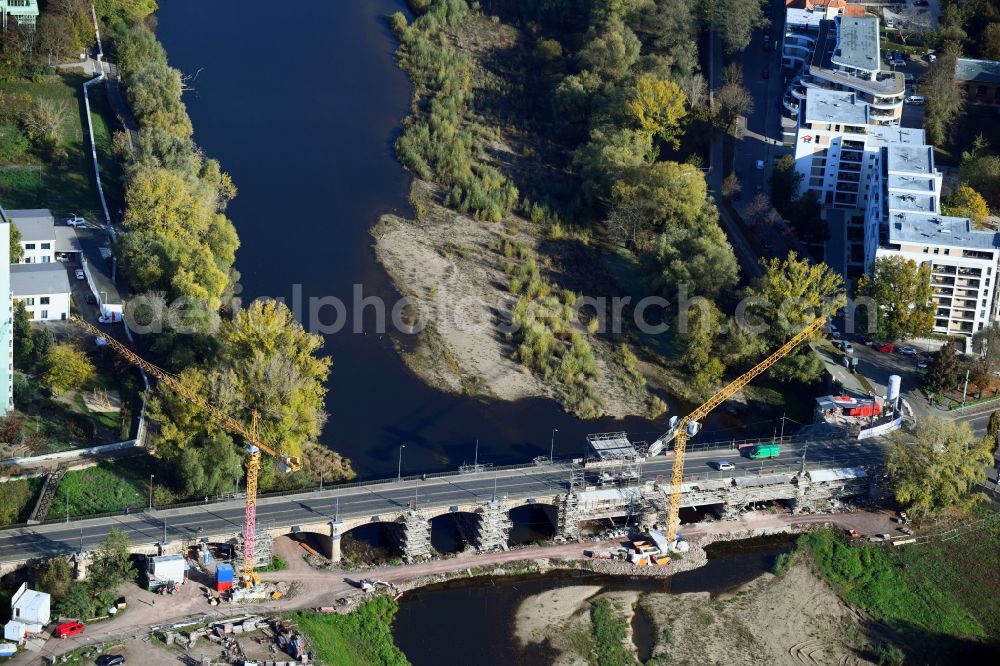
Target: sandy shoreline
(457, 290)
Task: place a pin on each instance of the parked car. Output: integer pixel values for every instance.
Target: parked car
(79, 274)
(724, 466)
(889, 23)
(69, 629)
(91, 300)
(766, 45)
(922, 365)
(907, 351)
(915, 100)
(847, 347)
(887, 347)
(931, 57)
(920, 3)
(898, 62)
(867, 339)
(76, 221)
(110, 660)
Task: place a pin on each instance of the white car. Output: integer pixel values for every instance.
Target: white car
(907, 351)
(847, 347)
(76, 221)
(724, 466)
(79, 274)
(915, 100)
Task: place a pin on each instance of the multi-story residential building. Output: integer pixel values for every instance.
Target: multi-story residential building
(43, 289)
(839, 153)
(6, 320)
(841, 53)
(963, 266)
(25, 12)
(980, 80)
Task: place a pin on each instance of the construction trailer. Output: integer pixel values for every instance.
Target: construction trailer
(166, 570)
(224, 577)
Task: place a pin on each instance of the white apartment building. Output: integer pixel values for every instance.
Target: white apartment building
(963, 266)
(839, 152)
(825, 48)
(41, 239)
(43, 289)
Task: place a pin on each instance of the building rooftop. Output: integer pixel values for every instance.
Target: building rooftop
(30, 602)
(67, 240)
(977, 71)
(823, 65)
(834, 106)
(35, 224)
(857, 43)
(929, 229)
(910, 183)
(36, 279)
(907, 201)
(802, 19)
(908, 158)
(886, 134)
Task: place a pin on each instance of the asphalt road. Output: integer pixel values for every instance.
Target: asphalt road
(390, 498)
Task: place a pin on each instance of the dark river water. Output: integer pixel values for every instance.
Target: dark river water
(301, 102)
(471, 621)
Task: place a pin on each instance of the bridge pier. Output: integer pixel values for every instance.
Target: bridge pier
(334, 551)
(492, 528)
(416, 536)
(568, 518)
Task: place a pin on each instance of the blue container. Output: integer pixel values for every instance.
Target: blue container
(224, 573)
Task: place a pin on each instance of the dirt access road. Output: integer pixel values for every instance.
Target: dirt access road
(322, 587)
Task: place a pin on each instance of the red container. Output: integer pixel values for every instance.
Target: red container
(222, 586)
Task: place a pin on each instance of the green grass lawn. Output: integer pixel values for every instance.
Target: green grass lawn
(17, 498)
(361, 638)
(70, 188)
(110, 486)
(929, 595)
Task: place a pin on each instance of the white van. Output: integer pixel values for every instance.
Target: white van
(915, 100)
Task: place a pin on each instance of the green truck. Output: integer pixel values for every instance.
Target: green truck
(762, 451)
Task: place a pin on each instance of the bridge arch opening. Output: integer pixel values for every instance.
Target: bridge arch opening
(453, 532)
(372, 543)
(532, 523)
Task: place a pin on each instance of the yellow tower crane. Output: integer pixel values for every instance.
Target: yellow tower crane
(679, 433)
(249, 434)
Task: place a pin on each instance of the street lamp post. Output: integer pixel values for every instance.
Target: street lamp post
(552, 444)
(399, 470)
(151, 491)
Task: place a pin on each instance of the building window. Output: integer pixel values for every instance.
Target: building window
(45, 314)
(44, 300)
(46, 246)
(46, 259)
(29, 246)
(29, 301)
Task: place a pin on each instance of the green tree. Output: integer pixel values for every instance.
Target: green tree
(966, 202)
(697, 257)
(111, 566)
(658, 106)
(985, 342)
(24, 341)
(700, 335)
(788, 297)
(154, 91)
(791, 294)
(68, 367)
(735, 20)
(899, 292)
(785, 183)
(56, 577)
(16, 249)
(610, 50)
(990, 43)
(78, 602)
(938, 466)
(733, 99)
(946, 370)
(945, 101)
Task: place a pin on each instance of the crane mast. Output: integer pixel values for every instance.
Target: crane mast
(249, 434)
(679, 433)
